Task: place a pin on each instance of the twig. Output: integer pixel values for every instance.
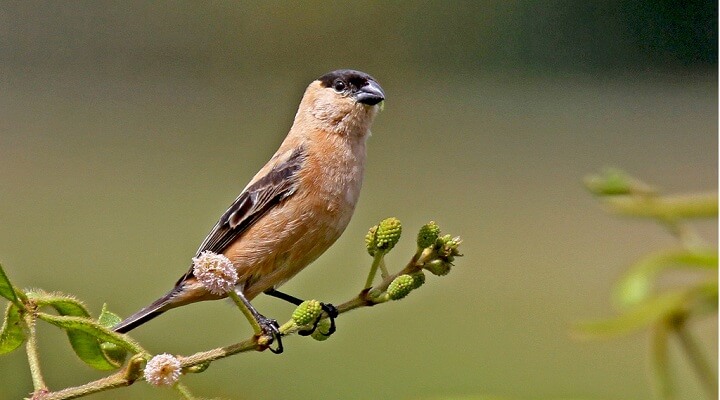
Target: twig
(703, 369)
(32, 355)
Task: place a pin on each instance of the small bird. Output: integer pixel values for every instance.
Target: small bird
(296, 206)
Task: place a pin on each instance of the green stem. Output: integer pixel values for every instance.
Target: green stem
(184, 391)
(661, 363)
(133, 371)
(377, 259)
(675, 207)
(383, 270)
(32, 354)
(708, 377)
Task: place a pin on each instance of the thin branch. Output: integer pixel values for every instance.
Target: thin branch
(661, 363)
(31, 347)
(703, 368)
(133, 371)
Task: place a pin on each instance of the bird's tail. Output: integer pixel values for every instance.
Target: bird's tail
(158, 307)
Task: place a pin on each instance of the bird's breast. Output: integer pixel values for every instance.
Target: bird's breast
(302, 227)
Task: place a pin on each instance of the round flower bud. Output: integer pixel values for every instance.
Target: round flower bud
(438, 267)
(322, 328)
(215, 271)
(449, 249)
(162, 370)
(400, 287)
(370, 243)
(306, 312)
(418, 279)
(428, 235)
(388, 234)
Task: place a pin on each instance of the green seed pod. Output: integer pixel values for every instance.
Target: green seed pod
(418, 279)
(322, 328)
(438, 267)
(428, 235)
(400, 287)
(388, 234)
(306, 312)
(370, 242)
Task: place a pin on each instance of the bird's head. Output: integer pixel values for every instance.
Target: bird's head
(344, 101)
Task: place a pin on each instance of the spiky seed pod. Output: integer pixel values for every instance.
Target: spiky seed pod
(370, 242)
(400, 287)
(428, 235)
(418, 279)
(322, 328)
(307, 312)
(388, 234)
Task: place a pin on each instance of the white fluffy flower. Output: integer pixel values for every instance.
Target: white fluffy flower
(162, 370)
(215, 271)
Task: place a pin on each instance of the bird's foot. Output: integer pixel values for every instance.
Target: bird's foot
(270, 333)
(332, 313)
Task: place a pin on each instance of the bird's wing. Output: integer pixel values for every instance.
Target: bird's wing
(259, 197)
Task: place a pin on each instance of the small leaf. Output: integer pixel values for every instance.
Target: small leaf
(614, 182)
(85, 343)
(63, 304)
(112, 351)
(12, 334)
(7, 291)
(90, 327)
(636, 285)
(108, 319)
(638, 317)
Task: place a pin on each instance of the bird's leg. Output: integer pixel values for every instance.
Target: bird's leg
(329, 309)
(262, 325)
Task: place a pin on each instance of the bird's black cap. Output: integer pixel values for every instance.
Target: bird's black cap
(363, 86)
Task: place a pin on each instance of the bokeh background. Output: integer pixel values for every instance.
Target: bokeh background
(126, 128)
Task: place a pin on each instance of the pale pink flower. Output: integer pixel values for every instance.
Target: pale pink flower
(162, 370)
(215, 271)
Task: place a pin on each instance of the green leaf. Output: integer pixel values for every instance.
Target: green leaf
(670, 208)
(636, 318)
(85, 344)
(108, 319)
(84, 334)
(114, 352)
(636, 285)
(7, 291)
(12, 334)
(62, 303)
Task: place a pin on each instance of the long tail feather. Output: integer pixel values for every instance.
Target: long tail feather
(158, 307)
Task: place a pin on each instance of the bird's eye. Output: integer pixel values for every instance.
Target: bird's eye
(339, 86)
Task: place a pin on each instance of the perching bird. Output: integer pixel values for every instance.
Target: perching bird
(298, 204)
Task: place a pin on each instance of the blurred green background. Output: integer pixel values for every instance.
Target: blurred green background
(126, 128)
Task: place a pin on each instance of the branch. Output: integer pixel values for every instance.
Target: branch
(434, 254)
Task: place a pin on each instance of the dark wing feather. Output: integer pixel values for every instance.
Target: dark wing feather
(270, 190)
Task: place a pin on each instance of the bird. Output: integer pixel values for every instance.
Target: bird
(296, 206)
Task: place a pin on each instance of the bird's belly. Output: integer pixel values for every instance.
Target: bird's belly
(285, 241)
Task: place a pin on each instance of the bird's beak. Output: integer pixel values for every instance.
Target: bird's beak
(370, 94)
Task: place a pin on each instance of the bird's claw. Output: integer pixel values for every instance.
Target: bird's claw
(332, 313)
(270, 333)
